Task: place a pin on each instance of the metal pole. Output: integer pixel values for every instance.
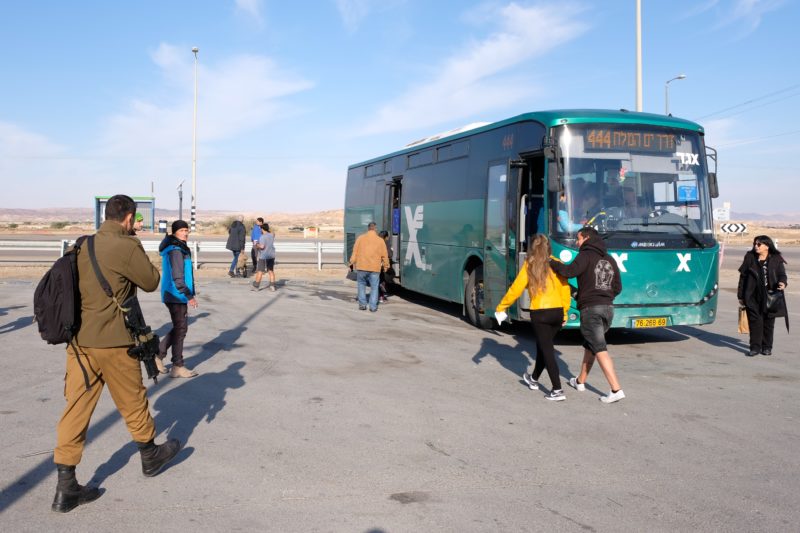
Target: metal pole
(194, 147)
(180, 200)
(638, 55)
(666, 91)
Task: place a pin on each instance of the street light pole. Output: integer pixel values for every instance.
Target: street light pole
(666, 91)
(180, 200)
(194, 146)
(638, 55)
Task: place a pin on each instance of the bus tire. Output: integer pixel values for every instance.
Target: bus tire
(473, 300)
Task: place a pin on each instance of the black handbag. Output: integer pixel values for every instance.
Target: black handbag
(776, 306)
(775, 302)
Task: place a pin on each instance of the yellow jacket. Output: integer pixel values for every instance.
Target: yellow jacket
(556, 293)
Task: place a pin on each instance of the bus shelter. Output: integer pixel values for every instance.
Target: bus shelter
(146, 205)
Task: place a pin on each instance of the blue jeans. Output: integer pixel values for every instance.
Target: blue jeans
(374, 279)
(235, 260)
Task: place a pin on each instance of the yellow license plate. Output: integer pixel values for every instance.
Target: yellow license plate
(656, 322)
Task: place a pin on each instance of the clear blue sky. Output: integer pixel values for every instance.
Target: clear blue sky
(96, 96)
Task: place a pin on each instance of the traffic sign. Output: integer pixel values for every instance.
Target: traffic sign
(733, 228)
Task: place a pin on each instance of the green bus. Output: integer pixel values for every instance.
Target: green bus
(462, 206)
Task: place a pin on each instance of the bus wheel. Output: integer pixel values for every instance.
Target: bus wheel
(473, 300)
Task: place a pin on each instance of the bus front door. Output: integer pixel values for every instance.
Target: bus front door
(495, 252)
(392, 223)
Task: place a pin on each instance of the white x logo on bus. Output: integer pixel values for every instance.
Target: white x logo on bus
(684, 259)
(687, 158)
(620, 259)
(415, 221)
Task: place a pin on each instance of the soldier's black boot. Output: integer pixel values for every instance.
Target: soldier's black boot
(154, 458)
(69, 494)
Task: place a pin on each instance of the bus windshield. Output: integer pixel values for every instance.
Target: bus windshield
(637, 185)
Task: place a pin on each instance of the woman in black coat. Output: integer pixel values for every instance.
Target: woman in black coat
(761, 270)
(235, 243)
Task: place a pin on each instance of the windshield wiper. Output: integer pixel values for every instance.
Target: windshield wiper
(683, 226)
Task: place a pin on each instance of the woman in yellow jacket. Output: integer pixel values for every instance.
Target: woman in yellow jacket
(550, 298)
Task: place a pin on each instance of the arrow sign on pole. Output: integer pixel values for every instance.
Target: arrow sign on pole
(733, 228)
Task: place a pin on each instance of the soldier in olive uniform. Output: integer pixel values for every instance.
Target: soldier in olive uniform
(102, 346)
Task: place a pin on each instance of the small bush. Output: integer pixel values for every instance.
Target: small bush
(228, 221)
(59, 225)
(13, 226)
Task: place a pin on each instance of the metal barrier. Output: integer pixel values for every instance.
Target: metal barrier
(320, 248)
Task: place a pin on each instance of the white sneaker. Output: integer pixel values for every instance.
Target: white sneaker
(527, 378)
(573, 382)
(556, 396)
(613, 397)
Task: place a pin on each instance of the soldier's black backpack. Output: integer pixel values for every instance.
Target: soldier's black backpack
(57, 299)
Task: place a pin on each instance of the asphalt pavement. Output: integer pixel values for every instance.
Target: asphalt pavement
(310, 415)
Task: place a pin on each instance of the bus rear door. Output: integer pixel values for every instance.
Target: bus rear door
(495, 252)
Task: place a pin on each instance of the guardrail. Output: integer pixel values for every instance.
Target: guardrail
(320, 248)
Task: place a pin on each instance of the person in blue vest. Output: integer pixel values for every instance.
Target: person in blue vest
(177, 293)
(255, 234)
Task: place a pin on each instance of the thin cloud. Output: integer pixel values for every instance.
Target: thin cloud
(253, 9)
(722, 131)
(477, 80)
(353, 12)
(698, 9)
(18, 143)
(151, 138)
(742, 16)
(241, 94)
(751, 12)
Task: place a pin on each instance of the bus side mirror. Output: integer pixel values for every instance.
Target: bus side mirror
(713, 187)
(555, 168)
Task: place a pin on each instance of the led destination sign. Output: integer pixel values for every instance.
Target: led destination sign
(629, 141)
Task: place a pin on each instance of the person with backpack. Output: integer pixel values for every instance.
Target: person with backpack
(177, 293)
(101, 348)
(235, 244)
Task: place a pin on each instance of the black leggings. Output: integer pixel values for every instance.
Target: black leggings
(179, 313)
(546, 323)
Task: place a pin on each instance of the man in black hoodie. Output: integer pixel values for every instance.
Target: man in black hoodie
(598, 283)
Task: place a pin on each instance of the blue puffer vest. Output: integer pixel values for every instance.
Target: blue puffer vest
(169, 292)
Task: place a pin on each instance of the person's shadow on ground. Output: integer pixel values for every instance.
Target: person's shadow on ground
(522, 357)
(167, 326)
(180, 411)
(514, 359)
(19, 323)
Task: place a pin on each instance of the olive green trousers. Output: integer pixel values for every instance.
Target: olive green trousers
(123, 376)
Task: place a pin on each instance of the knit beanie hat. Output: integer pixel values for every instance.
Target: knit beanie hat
(179, 224)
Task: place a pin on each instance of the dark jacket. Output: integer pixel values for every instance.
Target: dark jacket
(236, 235)
(126, 266)
(177, 274)
(597, 272)
(751, 288)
